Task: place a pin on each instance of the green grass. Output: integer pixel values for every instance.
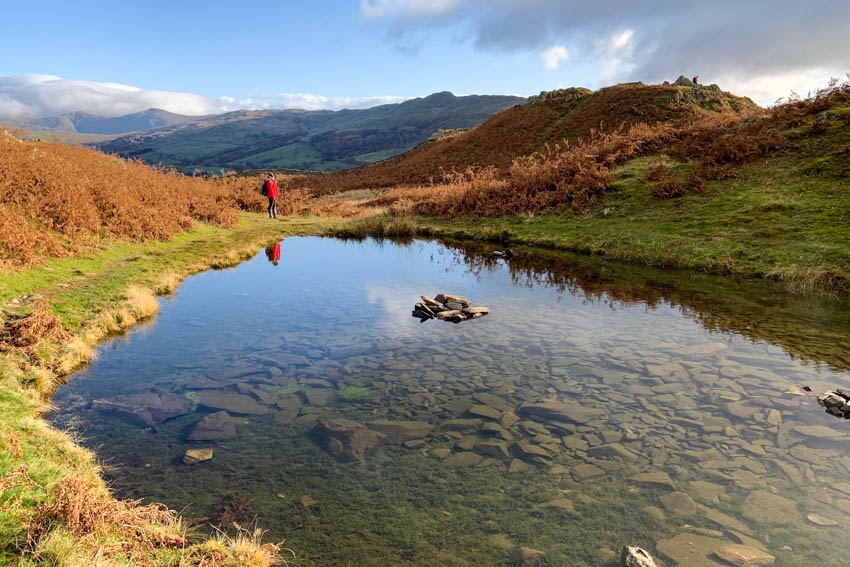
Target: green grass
(782, 218)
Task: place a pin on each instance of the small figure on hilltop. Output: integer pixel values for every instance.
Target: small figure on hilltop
(270, 190)
(696, 79)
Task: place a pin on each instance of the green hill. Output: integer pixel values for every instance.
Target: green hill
(306, 140)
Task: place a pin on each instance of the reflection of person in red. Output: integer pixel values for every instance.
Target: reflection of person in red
(273, 253)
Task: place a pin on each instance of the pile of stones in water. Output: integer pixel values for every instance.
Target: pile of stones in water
(454, 308)
(836, 402)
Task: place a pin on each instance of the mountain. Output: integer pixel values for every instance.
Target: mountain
(84, 123)
(545, 120)
(320, 140)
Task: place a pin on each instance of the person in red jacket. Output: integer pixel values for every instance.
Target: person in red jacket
(271, 191)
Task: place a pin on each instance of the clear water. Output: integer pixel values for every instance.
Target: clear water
(690, 379)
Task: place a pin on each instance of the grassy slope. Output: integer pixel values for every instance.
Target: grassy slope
(81, 290)
(771, 220)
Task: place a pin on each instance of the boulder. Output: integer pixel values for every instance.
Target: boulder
(347, 441)
(145, 410)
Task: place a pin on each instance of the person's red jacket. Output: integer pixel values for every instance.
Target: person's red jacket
(271, 187)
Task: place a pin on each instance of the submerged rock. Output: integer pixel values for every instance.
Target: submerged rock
(193, 456)
(346, 440)
(216, 426)
(145, 410)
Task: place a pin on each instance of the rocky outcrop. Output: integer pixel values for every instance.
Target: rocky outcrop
(145, 410)
(454, 308)
(347, 441)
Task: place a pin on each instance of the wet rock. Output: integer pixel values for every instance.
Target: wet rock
(586, 471)
(494, 449)
(744, 556)
(193, 456)
(528, 451)
(454, 308)
(679, 504)
(726, 521)
(401, 431)
(766, 508)
(145, 410)
(518, 466)
(346, 440)
(692, 550)
(486, 412)
(660, 478)
(570, 412)
(216, 426)
(636, 557)
(612, 451)
(836, 402)
(822, 521)
(230, 402)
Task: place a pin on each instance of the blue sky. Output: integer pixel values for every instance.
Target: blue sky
(195, 57)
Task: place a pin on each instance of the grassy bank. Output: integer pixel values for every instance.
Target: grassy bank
(781, 218)
(54, 507)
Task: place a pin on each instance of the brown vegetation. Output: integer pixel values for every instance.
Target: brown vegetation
(56, 200)
(707, 131)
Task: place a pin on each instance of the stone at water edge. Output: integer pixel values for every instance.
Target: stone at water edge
(193, 456)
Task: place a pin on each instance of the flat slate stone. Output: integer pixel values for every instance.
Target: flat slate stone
(230, 402)
(401, 431)
(586, 472)
(570, 412)
(654, 477)
(692, 550)
(216, 426)
(193, 456)
(744, 556)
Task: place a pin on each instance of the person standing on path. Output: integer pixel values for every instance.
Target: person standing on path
(271, 191)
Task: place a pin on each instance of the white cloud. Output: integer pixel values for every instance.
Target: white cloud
(304, 101)
(615, 54)
(25, 97)
(33, 96)
(406, 9)
(553, 56)
(762, 44)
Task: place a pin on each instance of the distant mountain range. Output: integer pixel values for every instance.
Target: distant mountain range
(84, 123)
(320, 140)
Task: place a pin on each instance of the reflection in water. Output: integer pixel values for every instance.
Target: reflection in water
(814, 329)
(273, 253)
(596, 406)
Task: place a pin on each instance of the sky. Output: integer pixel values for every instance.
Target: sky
(209, 56)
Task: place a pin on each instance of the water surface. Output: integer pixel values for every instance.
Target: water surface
(682, 423)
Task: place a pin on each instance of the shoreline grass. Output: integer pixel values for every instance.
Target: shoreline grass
(55, 508)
